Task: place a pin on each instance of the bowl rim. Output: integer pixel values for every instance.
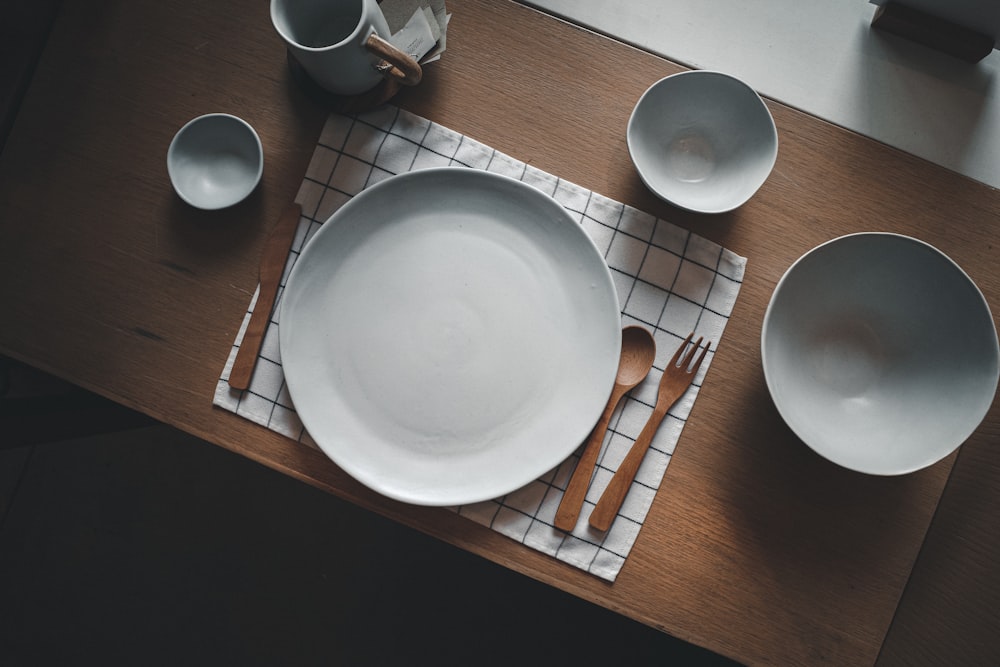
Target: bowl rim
(768, 379)
(772, 134)
(172, 169)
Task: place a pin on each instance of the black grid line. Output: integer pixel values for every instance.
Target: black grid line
(526, 514)
(372, 171)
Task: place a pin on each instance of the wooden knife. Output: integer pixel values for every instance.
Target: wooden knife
(272, 265)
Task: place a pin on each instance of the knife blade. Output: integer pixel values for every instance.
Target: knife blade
(272, 265)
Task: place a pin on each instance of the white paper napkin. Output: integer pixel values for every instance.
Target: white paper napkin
(418, 27)
(669, 280)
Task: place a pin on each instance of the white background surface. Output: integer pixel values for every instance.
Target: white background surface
(823, 57)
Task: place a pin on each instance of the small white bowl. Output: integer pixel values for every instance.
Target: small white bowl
(215, 161)
(880, 353)
(702, 140)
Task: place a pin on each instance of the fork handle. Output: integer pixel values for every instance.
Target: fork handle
(611, 500)
(614, 495)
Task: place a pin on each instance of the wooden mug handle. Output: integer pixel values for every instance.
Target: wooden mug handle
(395, 64)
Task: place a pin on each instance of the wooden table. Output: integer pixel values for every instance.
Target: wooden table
(754, 548)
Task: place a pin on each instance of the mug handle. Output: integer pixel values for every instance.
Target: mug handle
(395, 64)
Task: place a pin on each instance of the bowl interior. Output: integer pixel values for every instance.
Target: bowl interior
(215, 161)
(702, 140)
(880, 353)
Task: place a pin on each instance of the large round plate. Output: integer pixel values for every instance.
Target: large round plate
(449, 335)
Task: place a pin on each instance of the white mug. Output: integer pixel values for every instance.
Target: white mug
(342, 44)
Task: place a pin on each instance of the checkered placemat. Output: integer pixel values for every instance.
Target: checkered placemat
(669, 280)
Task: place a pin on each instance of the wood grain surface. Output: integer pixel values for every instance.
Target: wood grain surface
(754, 547)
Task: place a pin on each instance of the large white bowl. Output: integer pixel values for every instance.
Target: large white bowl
(880, 353)
(215, 161)
(702, 140)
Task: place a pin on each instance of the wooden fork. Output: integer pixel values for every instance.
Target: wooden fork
(677, 377)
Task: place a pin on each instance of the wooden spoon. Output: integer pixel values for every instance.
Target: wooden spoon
(638, 351)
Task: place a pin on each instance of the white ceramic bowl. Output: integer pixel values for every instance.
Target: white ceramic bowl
(215, 161)
(880, 353)
(702, 140)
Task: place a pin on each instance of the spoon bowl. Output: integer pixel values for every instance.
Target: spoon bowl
(638, 352)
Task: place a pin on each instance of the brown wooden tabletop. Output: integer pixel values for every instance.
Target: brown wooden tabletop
(754, 547)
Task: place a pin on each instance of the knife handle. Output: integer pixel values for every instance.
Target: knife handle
(246, 356)
(271, 267)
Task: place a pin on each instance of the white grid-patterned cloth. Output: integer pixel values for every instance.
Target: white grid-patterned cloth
(668, 280)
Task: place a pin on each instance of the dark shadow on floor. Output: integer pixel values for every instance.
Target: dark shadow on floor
(151, 547)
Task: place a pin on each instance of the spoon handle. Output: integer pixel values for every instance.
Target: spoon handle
(576, 490)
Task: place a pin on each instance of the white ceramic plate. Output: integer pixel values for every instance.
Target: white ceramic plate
(450, 335)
